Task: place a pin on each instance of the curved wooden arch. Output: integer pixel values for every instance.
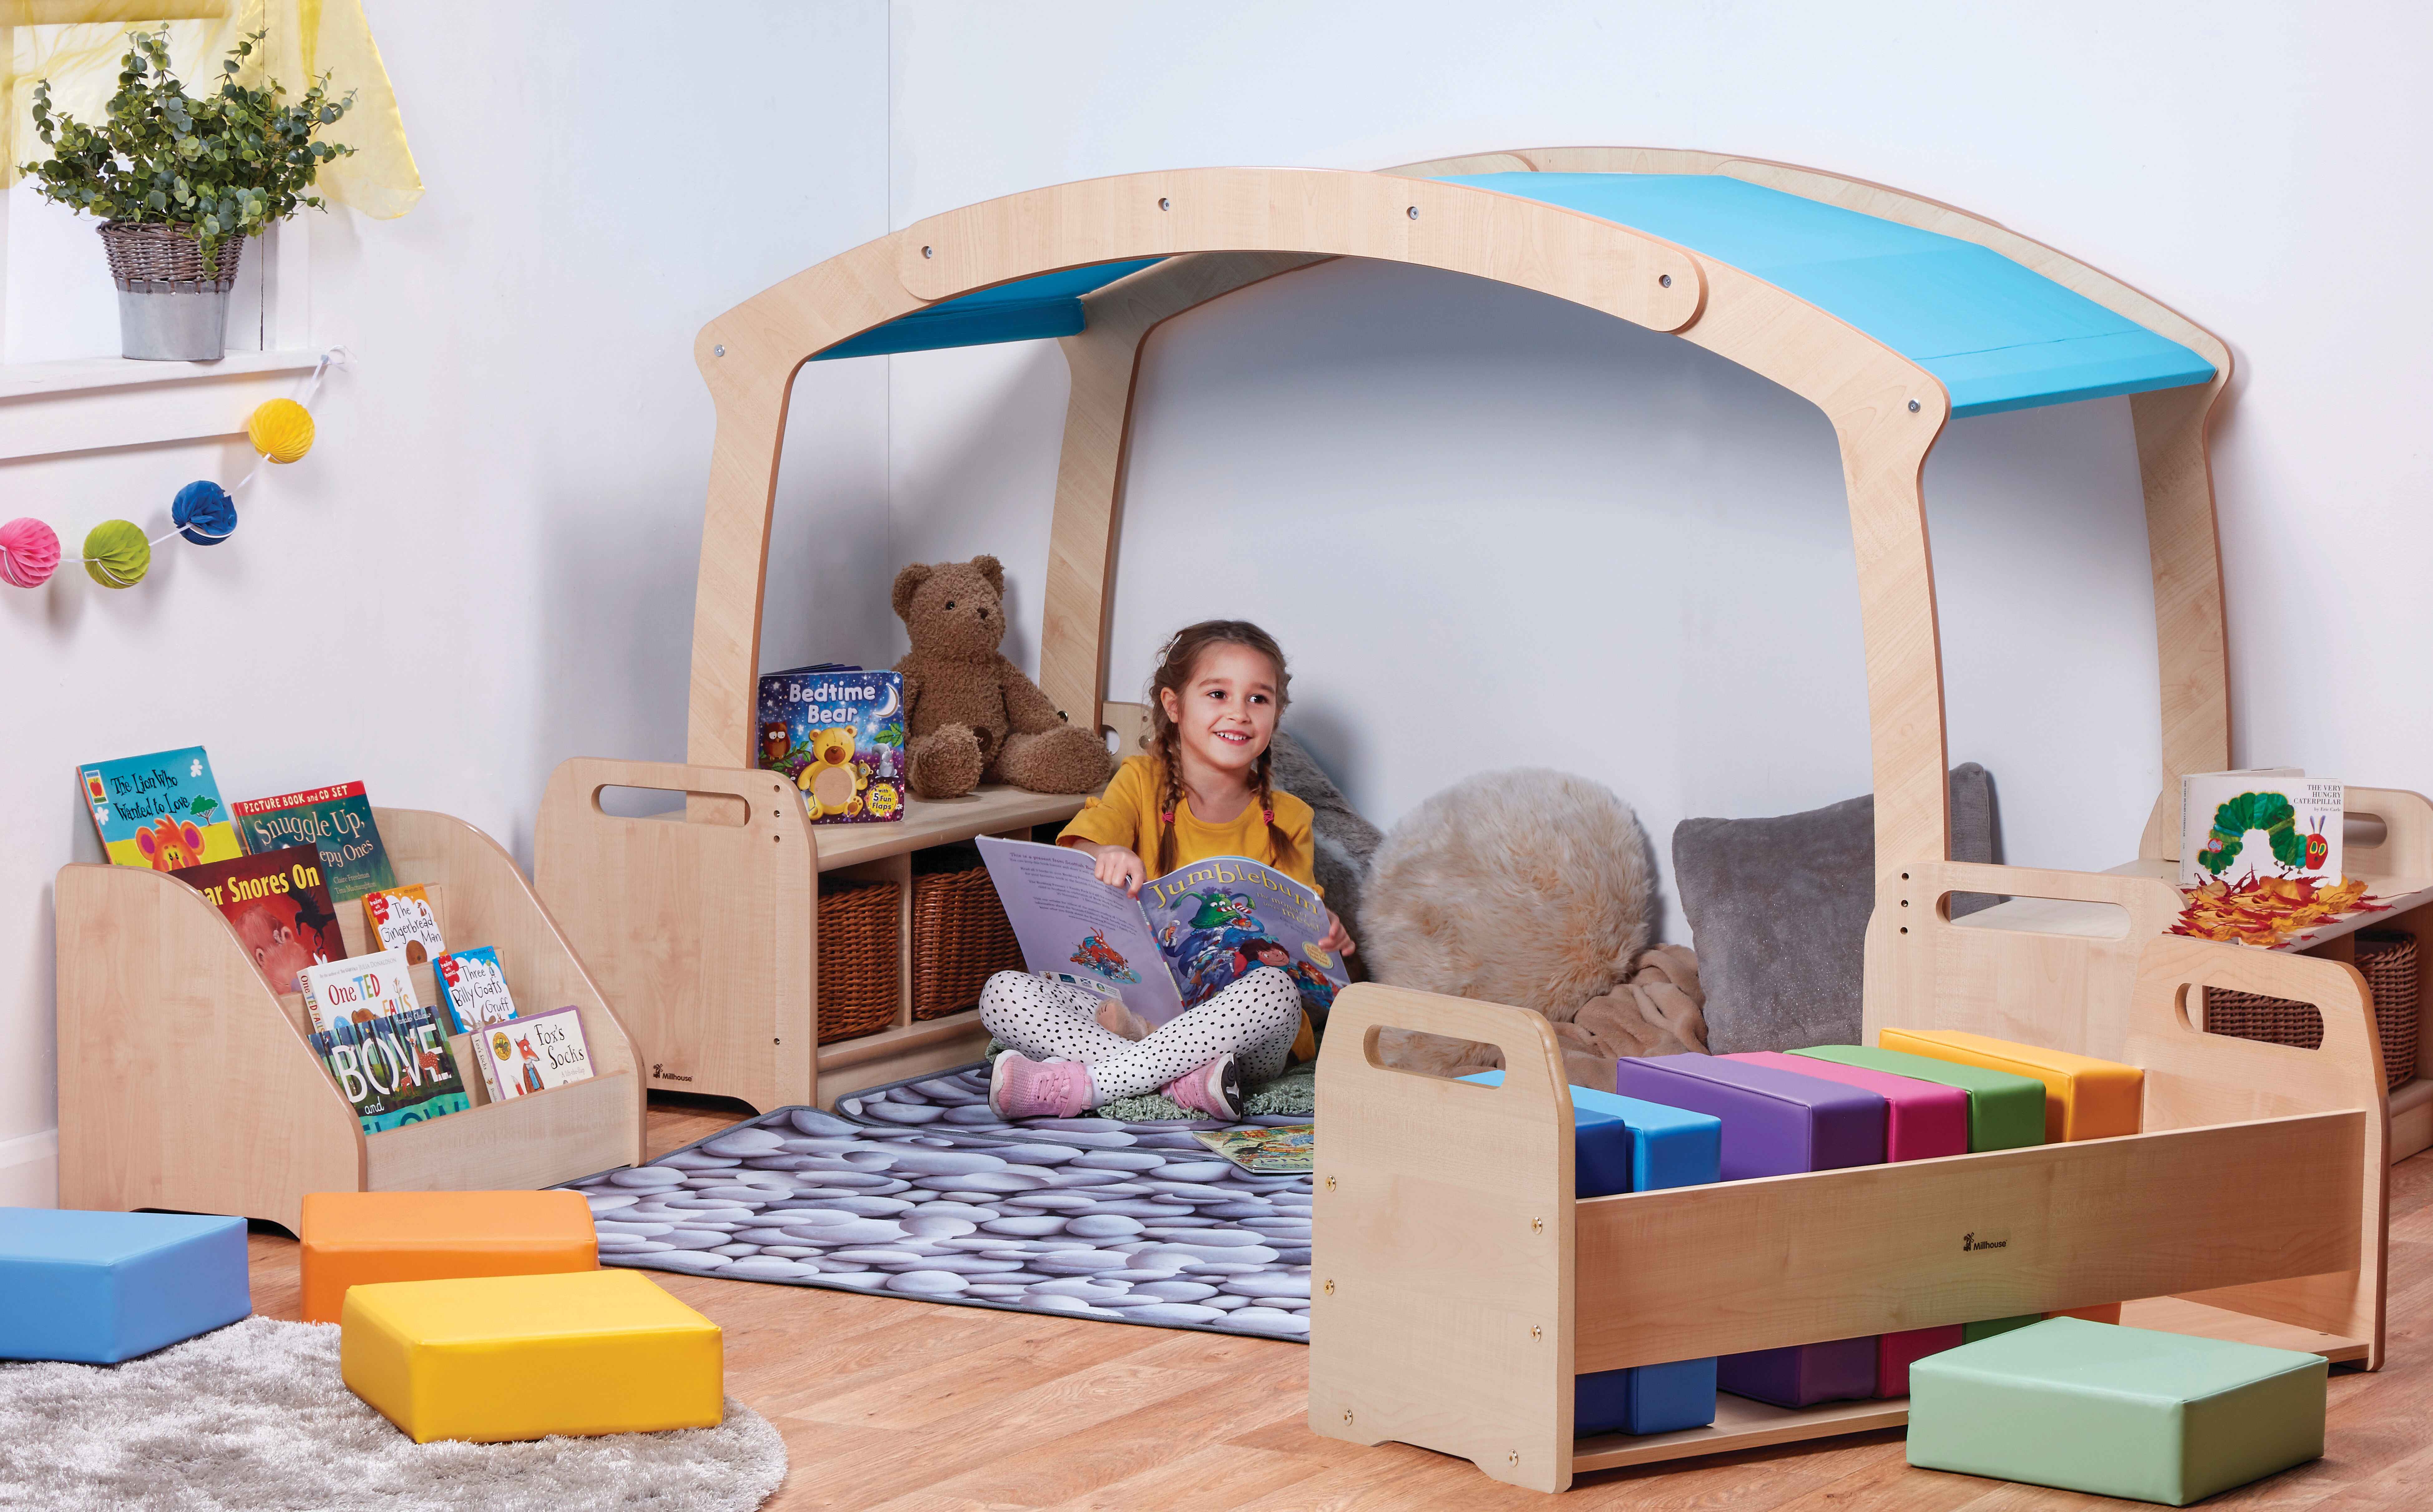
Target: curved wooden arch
(1221, 229)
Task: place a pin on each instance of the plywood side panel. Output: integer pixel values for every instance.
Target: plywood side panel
(700, 933)
(1441, 1305)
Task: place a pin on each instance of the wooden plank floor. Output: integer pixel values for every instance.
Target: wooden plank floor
(892, 1405)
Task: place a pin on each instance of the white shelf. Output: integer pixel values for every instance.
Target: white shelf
(100, 403)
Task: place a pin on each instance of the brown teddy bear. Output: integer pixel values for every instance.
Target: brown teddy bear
(969, 714)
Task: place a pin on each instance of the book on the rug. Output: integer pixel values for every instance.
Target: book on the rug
(338, 820)
(1189, 935)
(2266, 822)
(279, 909)
(1263, 1152)
(358, 989)
(400, 918)
(837, 731)
(528, 1055)
(162, 811)
(473, 988)
(395, 1069)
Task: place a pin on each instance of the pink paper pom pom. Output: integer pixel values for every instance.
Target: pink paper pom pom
(30, 553)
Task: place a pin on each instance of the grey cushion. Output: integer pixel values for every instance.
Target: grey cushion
(1345, 843)
(1778, 911)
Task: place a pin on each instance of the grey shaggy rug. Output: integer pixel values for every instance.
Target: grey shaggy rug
(253, 1418)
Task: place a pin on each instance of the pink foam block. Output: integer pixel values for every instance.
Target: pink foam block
(1924, 1120)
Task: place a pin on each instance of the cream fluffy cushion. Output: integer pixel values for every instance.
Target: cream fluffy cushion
(1526, 887)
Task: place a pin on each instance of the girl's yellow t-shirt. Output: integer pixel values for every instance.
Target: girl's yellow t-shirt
(1127, 815)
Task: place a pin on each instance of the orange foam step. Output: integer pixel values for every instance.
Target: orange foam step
(354, 1238)
(2084, 1098)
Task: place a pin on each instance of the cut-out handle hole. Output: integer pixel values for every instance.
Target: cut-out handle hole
(722, 809)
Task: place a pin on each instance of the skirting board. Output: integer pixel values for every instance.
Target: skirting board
(30, 1170)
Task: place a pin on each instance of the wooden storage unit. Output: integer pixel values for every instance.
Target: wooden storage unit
(186, 1083)
(701, 923)
(1457, 1285)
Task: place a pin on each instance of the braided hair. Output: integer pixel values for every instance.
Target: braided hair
(1175, 666)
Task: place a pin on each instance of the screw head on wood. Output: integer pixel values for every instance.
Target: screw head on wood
(1514, 1457)
(1664, 280)
(1912, 406)
(1347, 1415)
(1537, 1225)
(718, 351)
(1536, 1332)
(1330, 1184)
(1415, 212)
(1330, 1289)
(928, 251)
(1163, 203)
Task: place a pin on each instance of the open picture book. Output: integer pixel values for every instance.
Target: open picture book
(1189, 935)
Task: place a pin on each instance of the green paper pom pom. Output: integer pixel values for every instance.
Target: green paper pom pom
(116, 555)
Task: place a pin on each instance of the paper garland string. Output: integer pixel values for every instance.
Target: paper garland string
(116, 552)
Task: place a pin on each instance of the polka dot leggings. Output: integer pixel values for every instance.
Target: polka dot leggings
(1255, 1019)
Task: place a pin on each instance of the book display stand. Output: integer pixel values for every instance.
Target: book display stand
(186, 1082)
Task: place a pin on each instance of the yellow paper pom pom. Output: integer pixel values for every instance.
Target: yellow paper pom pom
(281, 430)
(116, 555)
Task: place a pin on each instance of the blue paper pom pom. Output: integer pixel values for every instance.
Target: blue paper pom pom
(204, 513)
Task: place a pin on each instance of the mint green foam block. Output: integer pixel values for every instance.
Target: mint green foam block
(2123, 1412)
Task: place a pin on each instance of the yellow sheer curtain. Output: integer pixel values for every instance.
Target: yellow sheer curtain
(76, 45)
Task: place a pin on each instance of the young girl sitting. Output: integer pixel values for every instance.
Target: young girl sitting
(1202, 791)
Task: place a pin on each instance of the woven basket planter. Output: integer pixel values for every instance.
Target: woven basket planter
(2387, 963)
(961, 938)
(858, 958)
(167, 311)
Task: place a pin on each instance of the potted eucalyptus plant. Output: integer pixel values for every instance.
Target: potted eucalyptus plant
(180, 181)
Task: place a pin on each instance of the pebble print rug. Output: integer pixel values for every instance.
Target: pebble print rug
(918, 1190)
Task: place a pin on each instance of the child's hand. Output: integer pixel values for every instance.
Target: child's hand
(1120, 867)
(1337, 939)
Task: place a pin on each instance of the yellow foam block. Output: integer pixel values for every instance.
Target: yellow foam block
(2084, 1098)
(493, 1358)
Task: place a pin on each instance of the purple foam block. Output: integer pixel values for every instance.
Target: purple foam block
(1802, 1375)
(1776, 1123)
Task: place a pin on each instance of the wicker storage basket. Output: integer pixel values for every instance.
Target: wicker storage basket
(961, 936)
(148, 254)
(858, 958)
(2388, 962)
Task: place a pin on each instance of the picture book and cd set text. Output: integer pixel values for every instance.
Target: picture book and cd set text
(1190, 934)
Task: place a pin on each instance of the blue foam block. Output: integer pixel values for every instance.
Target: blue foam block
(1627, 1144)
(100, 1287)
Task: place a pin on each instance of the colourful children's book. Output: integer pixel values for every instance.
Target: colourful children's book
(473, 989)
(279, 909)
(529, 1055)
(2268, 823)
(400, 918)
(1190, 934)
(358, 989)
(162, 811)
(838, 732)
(395, 1069)
(338, 820)
(1263, 1152)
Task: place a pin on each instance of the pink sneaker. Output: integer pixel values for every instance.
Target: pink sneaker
(1023, 1088)
(1214, 1089)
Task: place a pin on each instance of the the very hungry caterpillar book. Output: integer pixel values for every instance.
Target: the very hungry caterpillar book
(395, 1069)
(1190, 933)
(338, 820)
(2267, 822)
(279, 909)
(162, 811)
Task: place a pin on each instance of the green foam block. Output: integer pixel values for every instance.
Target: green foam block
(2005, 1111)
(2123, 1412)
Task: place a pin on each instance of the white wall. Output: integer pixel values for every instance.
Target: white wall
(505, 496)
(1469, 513)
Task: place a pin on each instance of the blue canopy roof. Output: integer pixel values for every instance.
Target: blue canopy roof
(1998, 335)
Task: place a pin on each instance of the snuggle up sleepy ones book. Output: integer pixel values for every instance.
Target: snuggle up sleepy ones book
(838, 732)
(338, 820)
(1189, 935)
(162, 811)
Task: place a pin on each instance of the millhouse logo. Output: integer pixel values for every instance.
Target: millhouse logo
(663, 1074)
(1969, 1242)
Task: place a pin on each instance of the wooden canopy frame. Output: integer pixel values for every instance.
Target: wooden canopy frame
(1213, 231)
(1222, 229)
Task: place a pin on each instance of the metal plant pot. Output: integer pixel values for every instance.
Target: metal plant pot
(167, 309)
